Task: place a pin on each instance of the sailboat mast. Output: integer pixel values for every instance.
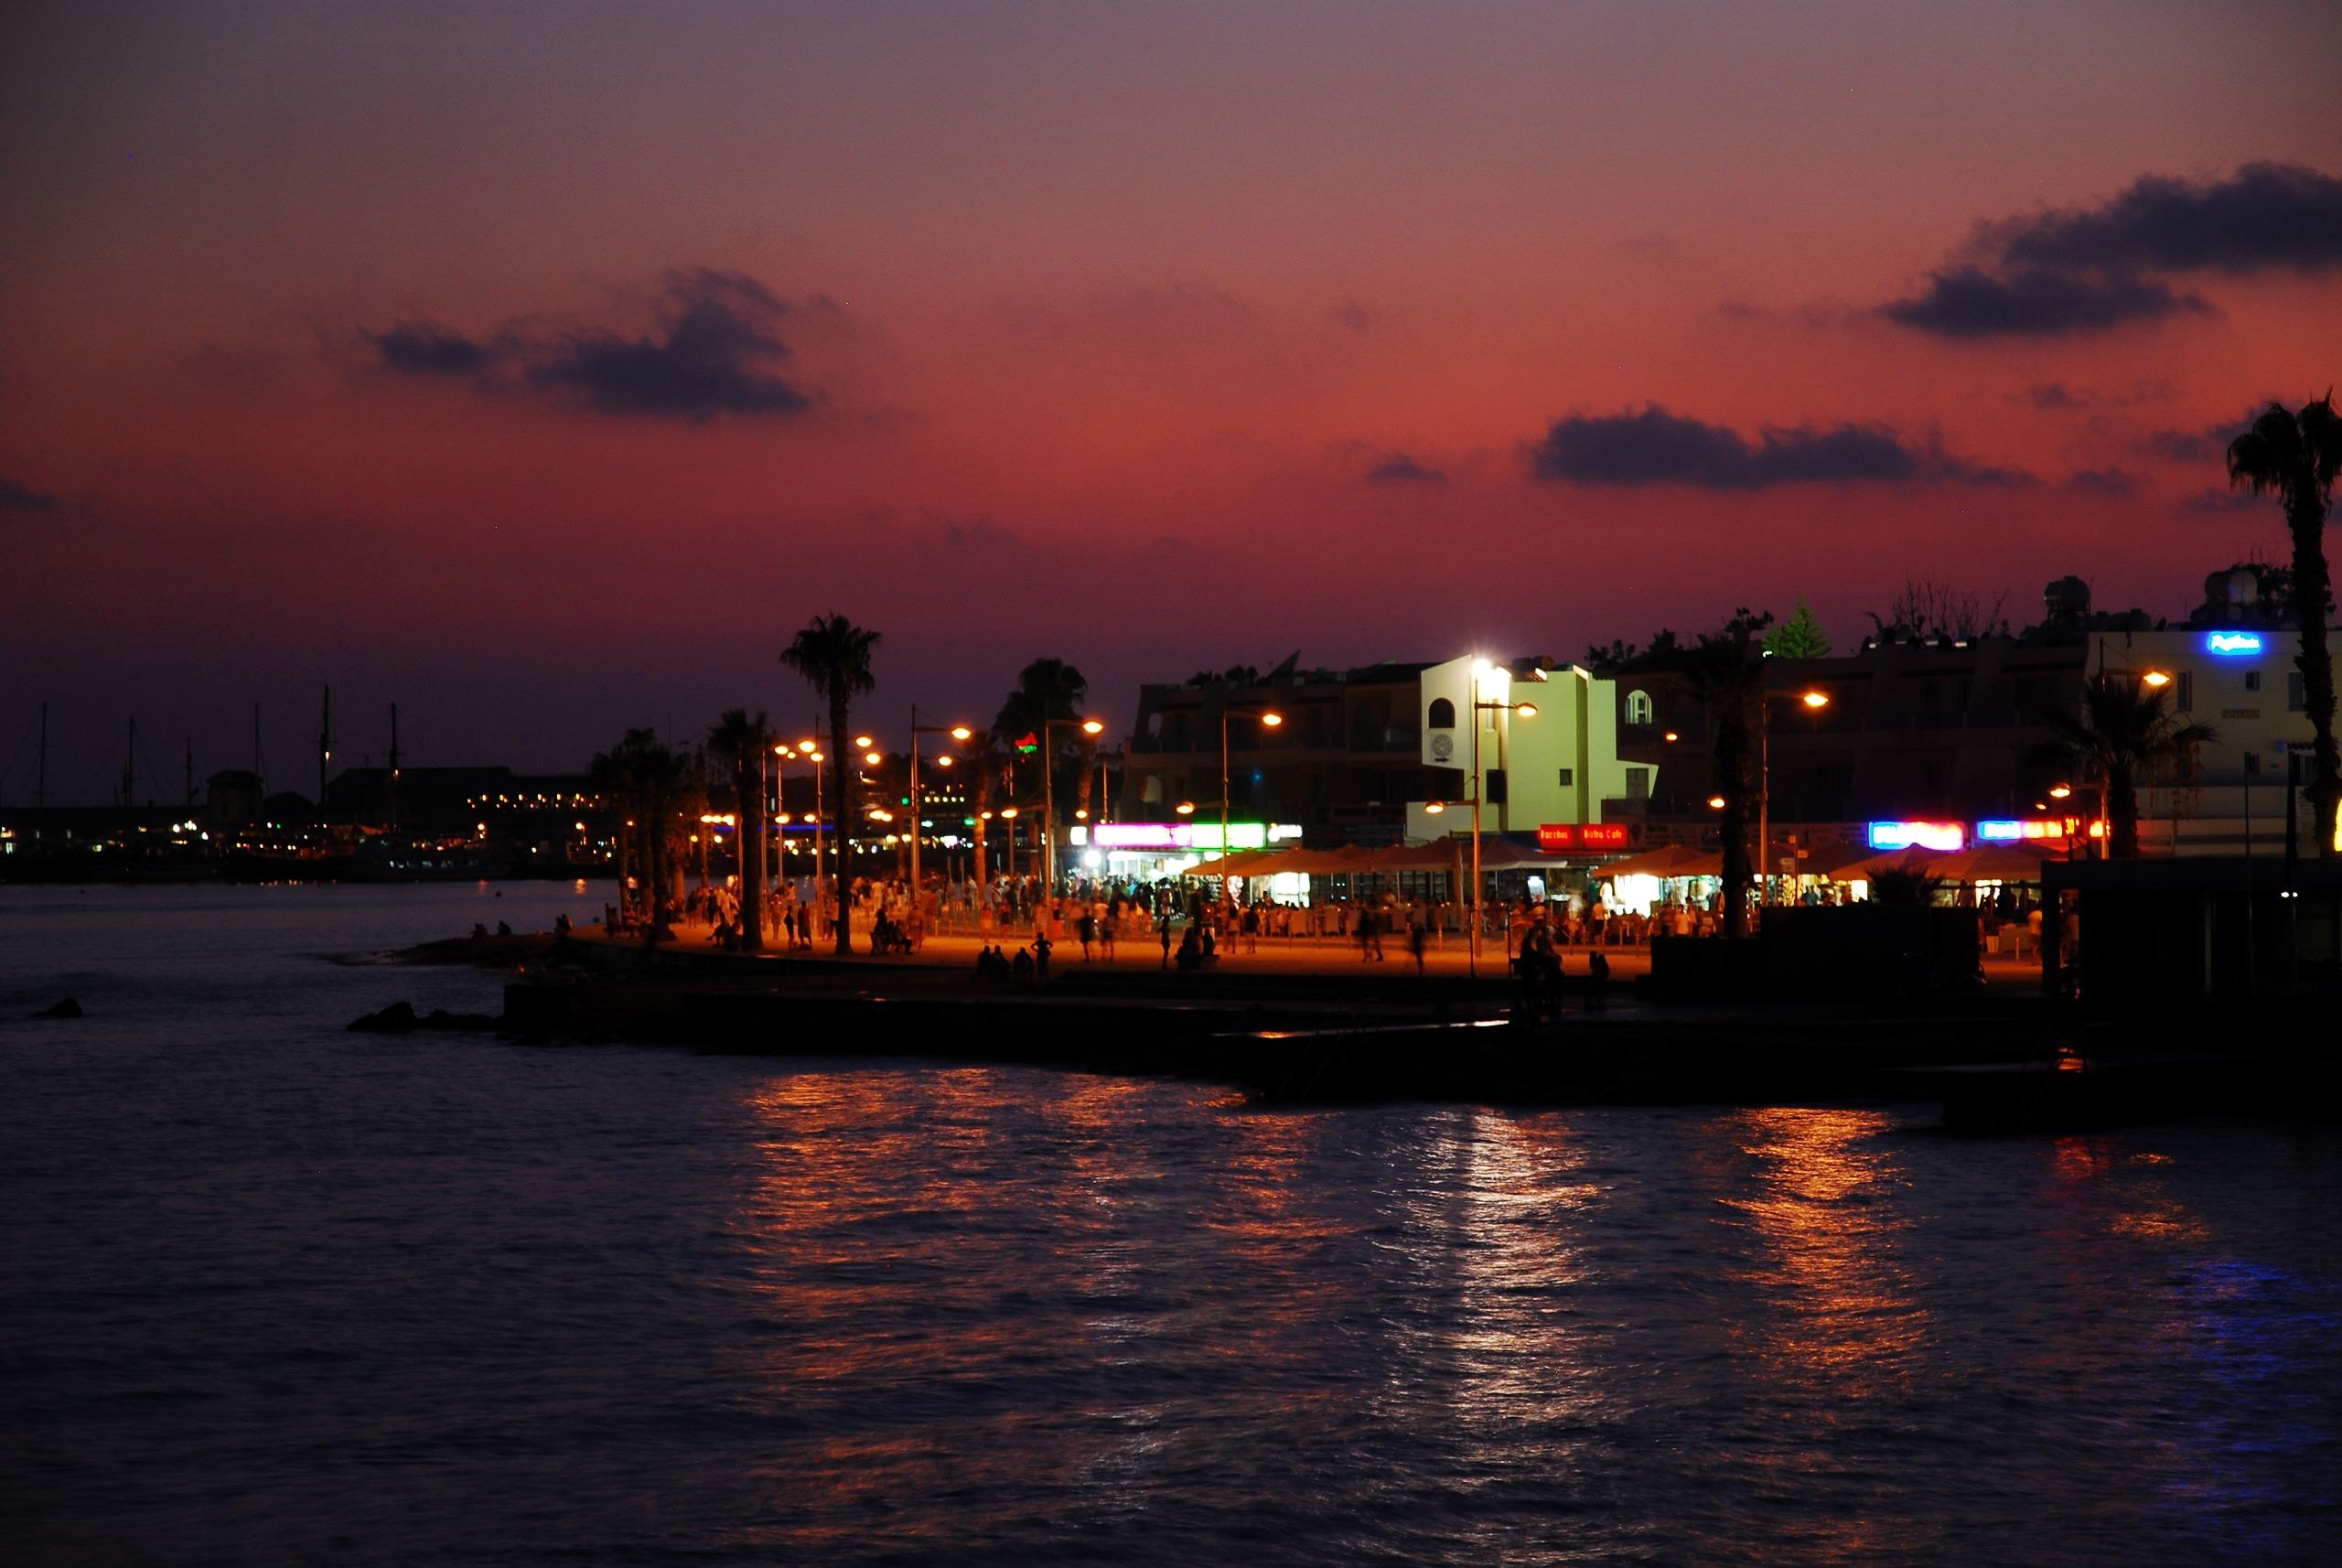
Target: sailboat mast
(394, 766)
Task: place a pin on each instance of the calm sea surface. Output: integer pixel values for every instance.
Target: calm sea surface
(271, 1293)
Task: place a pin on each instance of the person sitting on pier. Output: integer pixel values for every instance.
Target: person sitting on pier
(1191, 948)
(1020, 968)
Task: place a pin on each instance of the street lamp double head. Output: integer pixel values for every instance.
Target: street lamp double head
(956, 732)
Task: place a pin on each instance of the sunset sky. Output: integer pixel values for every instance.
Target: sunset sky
(543, 370)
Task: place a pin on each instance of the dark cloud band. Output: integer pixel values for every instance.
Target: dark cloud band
(713, 351)
(2092, 269)
(1655, 446)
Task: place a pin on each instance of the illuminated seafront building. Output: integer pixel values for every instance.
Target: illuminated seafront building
(1958, 732)
(1948, 737)
(1358, 754)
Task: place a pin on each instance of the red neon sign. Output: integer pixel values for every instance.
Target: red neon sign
(1554, 838)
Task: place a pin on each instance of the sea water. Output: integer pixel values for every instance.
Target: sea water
(273, 1292)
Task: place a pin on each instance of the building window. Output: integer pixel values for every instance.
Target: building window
(1638, 708)
(1638, 783)
(1443, 714)
(2294, 699)
(1493, 786)
(1569, 777)
(2184, 691)
(2252, 680)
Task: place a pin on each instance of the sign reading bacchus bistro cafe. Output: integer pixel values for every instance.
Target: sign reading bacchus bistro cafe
(1560, 838)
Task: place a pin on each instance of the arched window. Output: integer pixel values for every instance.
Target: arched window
(1443, 714)
(1639, 707)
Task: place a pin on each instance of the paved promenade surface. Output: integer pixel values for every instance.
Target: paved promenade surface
(1297, 955)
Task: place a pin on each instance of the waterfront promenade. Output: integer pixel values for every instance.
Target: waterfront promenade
(1295, 956)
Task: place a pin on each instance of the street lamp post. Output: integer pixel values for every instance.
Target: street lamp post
(812, 752)
(1048, 796)
(1814, 700)
(956, 732)
(1270, 718)
(1480, 670)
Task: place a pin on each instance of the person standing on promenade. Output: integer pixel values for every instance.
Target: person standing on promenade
(1162, 930)
(1041, 946)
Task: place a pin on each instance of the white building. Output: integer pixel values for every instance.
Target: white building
(1538, 773)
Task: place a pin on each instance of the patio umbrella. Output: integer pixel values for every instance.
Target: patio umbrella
(1667, 861)
(1989, 863)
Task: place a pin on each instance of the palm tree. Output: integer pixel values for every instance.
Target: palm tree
(1724, 673)
(2124, 737)
(834, 655)
(743, 743)
(643, 781)
(1047, 690)
(2294, 457)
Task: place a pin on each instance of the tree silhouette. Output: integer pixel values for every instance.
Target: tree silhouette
(1722, 673)
(1799, 637)
(2124, 737)
(741, 743)
(2294, 456)
(834, 655)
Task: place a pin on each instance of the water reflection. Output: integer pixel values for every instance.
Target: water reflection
(1820, 1198)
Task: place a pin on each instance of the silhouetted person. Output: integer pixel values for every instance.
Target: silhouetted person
(1041, 946)
(1164, 931)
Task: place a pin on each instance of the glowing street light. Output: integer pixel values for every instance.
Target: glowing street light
(1090, 726)
(1486, 677)
(1270, 719)
(1814, 701)
(2059, 792)
(1186, 808)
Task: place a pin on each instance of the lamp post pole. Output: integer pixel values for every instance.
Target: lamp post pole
(1048, 795)
(1268, 716)
(1479, 706)
(1816, 699)
(956, 732)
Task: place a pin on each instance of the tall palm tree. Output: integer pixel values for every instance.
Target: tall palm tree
(1724, 672)
(2294, 457)
(2122, 737)
(743, 743)
(1045, 689)
(834, 655)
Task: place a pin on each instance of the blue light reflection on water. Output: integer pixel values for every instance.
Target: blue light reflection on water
(271, 1293)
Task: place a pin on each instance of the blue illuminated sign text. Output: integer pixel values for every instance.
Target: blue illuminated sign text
(2231, 644)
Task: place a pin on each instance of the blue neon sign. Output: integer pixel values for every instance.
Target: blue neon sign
(2002, 831)
(2232, 644)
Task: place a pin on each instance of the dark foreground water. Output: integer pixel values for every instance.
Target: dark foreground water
(271, 1293)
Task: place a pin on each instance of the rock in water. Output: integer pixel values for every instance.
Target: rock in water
(395, 1019)
(68, 1008)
